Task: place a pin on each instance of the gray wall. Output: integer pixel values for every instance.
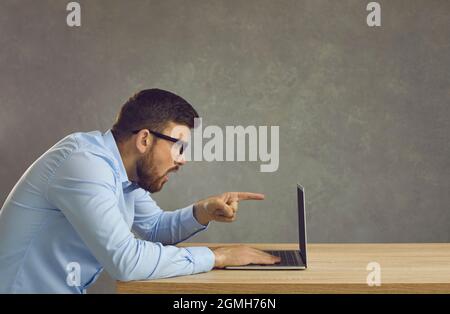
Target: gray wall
(363, 112)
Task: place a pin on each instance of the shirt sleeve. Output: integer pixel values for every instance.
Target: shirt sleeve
(84, 188)
(153, 224)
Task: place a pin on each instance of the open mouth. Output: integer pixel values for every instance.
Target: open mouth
(166, 177)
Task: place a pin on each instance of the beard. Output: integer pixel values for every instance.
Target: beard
(149, 178)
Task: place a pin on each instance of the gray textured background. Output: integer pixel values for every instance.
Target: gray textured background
(363, 112)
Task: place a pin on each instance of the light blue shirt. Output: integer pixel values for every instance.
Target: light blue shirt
(73, 213)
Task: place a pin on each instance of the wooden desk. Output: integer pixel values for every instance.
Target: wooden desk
(332, 268)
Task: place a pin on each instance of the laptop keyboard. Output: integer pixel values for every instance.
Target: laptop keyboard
(288, 258)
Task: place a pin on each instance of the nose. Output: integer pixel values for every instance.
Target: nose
(180, 161)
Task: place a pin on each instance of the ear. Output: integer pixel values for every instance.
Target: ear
(143, 141)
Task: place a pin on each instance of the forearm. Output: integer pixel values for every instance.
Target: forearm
(176, 226)
(175, 261)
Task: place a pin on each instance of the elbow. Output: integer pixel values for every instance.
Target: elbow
(126, 275)
(120, 276)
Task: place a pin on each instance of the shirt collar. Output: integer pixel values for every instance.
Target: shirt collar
(112, 146)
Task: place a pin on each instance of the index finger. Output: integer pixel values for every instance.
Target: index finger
(249, 196)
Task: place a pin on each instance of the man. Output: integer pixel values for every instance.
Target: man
(75, 209)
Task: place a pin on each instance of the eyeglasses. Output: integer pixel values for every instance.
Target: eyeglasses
(179, 142)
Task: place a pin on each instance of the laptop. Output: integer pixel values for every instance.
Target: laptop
(289, 259)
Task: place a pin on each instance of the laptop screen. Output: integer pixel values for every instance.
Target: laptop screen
(301, 221)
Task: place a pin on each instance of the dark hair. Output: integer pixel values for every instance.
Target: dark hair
(152, 109)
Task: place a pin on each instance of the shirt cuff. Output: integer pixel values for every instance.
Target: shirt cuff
(188, 220)
(203, 258)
